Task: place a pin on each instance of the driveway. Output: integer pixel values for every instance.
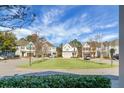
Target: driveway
(10, 67)
(108, 61)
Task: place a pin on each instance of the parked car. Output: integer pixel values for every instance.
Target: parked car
(3, 57)
(16, 56)
(87, 57)
(116, 57)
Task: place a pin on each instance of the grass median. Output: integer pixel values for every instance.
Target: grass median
(60, 63)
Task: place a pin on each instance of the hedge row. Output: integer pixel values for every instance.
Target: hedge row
(55, 81)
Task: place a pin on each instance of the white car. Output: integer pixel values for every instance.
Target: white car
(2, 57)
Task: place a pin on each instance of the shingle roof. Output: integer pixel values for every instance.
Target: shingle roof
(22, 42)
(114, 42)
(48, 43)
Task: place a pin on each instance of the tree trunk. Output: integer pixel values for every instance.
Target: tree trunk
(111, 62)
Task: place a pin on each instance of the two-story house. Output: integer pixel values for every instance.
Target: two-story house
(100, 49)
(69, 51)
(115, 45)
(86, 49)
(48, 49)
(25, 48)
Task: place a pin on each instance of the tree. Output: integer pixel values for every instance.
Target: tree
(98, 38)
(93, 46)
(32, 38)
(7, 41)
(39, 46)
(112, 51)
(15, 16)
(59, 50)
(78, 45)
(45, 49)
(75, 43)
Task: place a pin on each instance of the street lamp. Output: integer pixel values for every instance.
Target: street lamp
(30, 46)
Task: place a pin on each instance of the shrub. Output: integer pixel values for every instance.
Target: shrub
(55, 81)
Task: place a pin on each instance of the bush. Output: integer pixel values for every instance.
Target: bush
(55, 81)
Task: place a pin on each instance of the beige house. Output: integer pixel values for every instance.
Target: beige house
(69, 51)
(86, 49)
(95, 49)
(44, 49)
(48, 49)
(25, 48)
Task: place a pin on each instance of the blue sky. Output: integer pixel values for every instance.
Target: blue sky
(61, 24)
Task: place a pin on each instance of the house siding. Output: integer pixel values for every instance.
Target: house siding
(68, 51)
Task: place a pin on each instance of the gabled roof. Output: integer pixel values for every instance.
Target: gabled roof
(92, 44)
(105, 44)
(67, 44)
(47, 43)
(22, 42)
(70, 47)
(114, 42)
(86, 43)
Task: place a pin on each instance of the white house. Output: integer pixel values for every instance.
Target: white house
(69, 51)
(115, 45)
(53, 52)
(25, 49)
(102, 49)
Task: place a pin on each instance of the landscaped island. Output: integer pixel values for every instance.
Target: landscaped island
(55, 81)
(60, 63)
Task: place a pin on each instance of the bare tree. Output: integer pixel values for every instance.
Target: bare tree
(45, 50)
(38, 41)
(15, 16)
(98, 38)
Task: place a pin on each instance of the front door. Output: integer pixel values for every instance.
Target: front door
(23, 54)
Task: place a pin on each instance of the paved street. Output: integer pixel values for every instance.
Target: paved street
(10, 67)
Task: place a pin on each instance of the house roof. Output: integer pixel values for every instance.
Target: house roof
(47, 43)
(22, 42)
(70, 45)
(92, 44)
(114, 42)
(106, 43)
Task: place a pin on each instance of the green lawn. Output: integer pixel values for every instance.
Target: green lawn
(59, 63)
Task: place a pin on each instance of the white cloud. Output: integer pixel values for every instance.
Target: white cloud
(110, 37)
(51, 15)
(106, 37)
(22, 32)
(66, 31)
(110, 25)
(60, 32)
(4, 28)
(86, 30)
